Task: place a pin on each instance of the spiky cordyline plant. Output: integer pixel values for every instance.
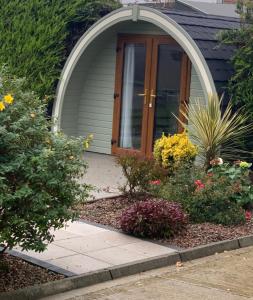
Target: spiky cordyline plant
(215, 132)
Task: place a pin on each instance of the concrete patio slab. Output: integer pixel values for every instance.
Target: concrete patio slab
(117, 255)
(52, 252)
(82, 228)
(79, 263)
(84, 244)
(81, 248)
(147, 248)
(104, 174)
(114, 238)
(63, 235)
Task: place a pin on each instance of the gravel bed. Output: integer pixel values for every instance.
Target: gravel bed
(108, 211)
(16, 273)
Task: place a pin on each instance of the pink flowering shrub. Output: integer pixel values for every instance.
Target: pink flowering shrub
(153, 219)
(237, 177)
(208, 197)
(141, 174)
(248, 215)
(212, 202)
(155, 182)
(199, 185)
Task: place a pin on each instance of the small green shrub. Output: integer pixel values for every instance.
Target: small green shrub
(38, 170)
(236, 176)
(140, 173)
(212, 203)
(219, 196)
(153, 219)
(180, 187)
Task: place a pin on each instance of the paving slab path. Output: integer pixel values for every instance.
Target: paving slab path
(226, 276)
(80, 248)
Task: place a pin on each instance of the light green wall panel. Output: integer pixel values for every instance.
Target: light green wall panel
(196, 90)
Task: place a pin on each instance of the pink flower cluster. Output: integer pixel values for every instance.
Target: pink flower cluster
(155, 182)
(199, 185)
(248, 215)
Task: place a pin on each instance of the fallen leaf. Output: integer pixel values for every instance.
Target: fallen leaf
(179, 264)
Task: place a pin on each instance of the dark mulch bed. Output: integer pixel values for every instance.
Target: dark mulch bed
(107, 212)
(16, 273)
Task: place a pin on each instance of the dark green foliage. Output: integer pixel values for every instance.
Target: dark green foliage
(241, 83)
(153, 219)
(180, 187)
(213, 204)
(220, 196)
(38, 171)
(236, 177)
(37, 35)
(86, 13)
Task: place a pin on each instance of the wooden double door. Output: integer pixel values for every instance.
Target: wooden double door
(152, 83)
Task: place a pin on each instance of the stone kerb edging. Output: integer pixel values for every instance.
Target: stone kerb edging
(91, 278)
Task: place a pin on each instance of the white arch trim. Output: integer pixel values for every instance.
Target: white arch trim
(134, 13)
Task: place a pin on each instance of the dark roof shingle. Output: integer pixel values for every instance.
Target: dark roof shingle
(204, 30)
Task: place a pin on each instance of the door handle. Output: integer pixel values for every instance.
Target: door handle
(152, 96)
(145, 95)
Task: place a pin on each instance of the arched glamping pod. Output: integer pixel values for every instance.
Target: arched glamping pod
(132, 70)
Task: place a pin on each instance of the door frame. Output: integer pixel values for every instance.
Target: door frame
(152, 42)
(185, 78)
(122, 40)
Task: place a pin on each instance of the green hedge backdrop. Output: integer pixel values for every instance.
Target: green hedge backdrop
(36, 36)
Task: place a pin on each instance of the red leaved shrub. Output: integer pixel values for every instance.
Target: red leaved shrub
(153, 219)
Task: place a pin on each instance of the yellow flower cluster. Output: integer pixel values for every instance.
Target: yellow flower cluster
(7, 99)
(87, 141)
(170, 151)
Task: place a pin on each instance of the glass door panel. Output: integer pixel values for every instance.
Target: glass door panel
(167, 101)
(152, 81)
(133, 86)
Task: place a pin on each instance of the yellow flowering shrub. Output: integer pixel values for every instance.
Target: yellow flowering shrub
(7, 100)
(40, 171)
(2, 106)
(172, 150)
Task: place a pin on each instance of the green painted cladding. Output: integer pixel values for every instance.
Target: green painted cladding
(88, 102)
(196, 91)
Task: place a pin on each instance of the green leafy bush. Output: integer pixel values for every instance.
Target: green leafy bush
(219, 196)
(236, 177)
(153, 219)
(212, 203)
(241, 83)
(36, 36)
(140, 173)
(180, 186)
(38, 170)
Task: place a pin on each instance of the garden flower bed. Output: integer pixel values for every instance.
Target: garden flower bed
(16, 273)
(170, 199)
(108, 212)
